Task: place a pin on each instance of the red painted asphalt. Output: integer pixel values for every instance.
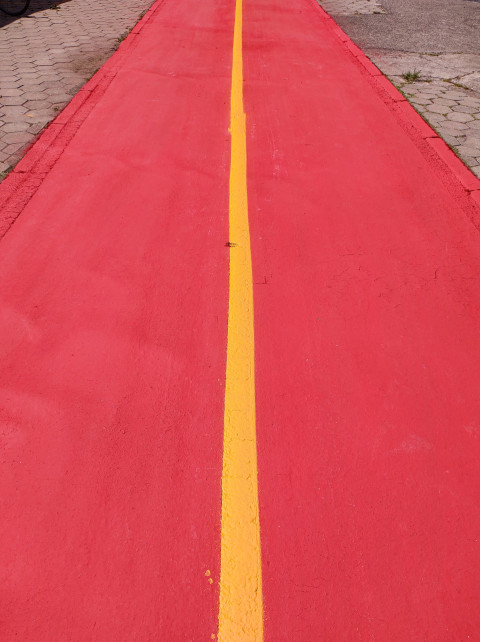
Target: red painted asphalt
(113, 330)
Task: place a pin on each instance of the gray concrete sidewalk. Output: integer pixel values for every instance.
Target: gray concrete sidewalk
(45, 58)
(430, 49)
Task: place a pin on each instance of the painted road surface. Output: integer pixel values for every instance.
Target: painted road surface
(240, 357)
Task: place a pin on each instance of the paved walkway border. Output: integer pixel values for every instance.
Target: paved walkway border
(47, 55)
(458, 176)
(25, 179)
(427, 65)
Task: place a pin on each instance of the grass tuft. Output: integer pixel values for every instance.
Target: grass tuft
(6, 172)
(411, 76)
(120, 39)
(456, 84)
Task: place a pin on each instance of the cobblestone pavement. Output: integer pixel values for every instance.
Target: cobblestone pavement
(45, 58)
(454, 112)
(447, 90)
(47, 55)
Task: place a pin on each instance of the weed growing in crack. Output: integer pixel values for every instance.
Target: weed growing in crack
(456, 84)
(92, 74)
(411, 76)
(6, 172)
(120, 39)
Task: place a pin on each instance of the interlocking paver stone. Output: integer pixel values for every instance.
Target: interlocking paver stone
(12, 112)
(438, 109)
(12, 101)
(16, 137)
(475, 102)
(466, 109)
(8, 92)
(16, 127)
(47, 55)
(420, 101)
(468, 151)
(459, 117)
(446, 101)
(450, 126)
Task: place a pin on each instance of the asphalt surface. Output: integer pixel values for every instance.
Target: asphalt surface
(430, 26)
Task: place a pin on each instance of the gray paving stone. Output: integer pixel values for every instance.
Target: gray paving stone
(34, 95)
(42, 114)
(15, 127)
(468, 160)
(438, 109)
(459, 117)
(11, 112)
(12, 151)
(435, 119)
(16, 137)
(464, 150)
(35, 128)
(474, 141)
(451, 140)
(466, 109)
(417, 100)
(34, 105)
(12, 101)
(445, 101)
(9, 92)
(9, 84)
(427, 95)
(474, 102)
(455, 127)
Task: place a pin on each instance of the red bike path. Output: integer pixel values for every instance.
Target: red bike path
(113, 336)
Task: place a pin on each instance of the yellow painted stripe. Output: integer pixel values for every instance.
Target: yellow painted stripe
(241, 604)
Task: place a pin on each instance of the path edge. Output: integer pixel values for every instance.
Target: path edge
(22, 183)
(458, 176)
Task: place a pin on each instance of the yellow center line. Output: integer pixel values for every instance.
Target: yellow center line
(241, 603)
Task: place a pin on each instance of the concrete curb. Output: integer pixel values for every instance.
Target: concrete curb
(413, 123)
(24, 180)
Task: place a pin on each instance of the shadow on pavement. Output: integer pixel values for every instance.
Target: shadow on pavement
(35, 6)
